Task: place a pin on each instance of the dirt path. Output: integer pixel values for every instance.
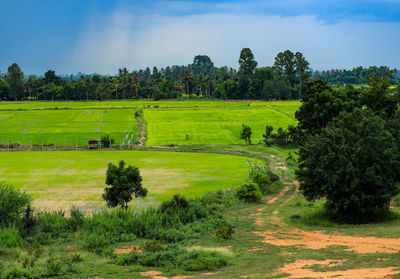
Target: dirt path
(282, 235)
(143, 135)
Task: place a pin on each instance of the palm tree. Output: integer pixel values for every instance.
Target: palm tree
(187, 76)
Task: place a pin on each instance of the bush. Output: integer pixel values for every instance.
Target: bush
(75, 221)
(17, 273)
(153, 246)
(9, 237)
(97, 242)
(263, 181)
(106, 141)
(224, 232)
(202, 260)
(249, 192)
(174, 258)
(12, 203)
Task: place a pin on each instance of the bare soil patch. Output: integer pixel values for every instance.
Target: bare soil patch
(273, 200)
(302, 269)
(127, 250)
(320, 240)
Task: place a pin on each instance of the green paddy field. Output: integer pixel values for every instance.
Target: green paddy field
(167, 122)
(59, 179)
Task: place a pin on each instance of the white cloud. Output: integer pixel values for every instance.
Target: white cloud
(137, 40)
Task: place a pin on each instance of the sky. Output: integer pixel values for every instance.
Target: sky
(101, 36)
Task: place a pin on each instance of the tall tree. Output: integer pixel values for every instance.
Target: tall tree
(202, 64)
(303, 72)
(187, 76)
(354, 164)
(247, 64)
(285, 65)
(15, 80)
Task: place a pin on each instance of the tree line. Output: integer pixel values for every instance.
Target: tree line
(358, 75)
(283, 80)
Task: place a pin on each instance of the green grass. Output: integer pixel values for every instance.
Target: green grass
(125, 104)
(57, 179)
(209, 125)
(65, 127)
(289, 107)
(167, 122)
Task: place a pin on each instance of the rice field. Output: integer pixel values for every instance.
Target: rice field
(210, 125)
(167, 122)
(59, 179)
(65, 127)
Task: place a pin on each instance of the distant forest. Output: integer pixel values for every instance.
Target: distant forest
(200, 80)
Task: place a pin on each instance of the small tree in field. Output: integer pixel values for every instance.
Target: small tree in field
(246, 134)
(124, 182)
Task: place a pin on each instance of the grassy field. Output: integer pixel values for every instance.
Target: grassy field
(210, 125)
(57, 179)
(65, 127)
(126, 104)
(167, 122)
(288, 107)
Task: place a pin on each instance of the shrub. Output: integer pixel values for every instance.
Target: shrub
(75, 221)
(50, 225)
(97, 242)
(153, 246)
(106, 141)
(12, 203)
(224, 232)
(17, 273)
(249, 192)
(9, 237)
(202, 260)
(263, 181)
(28, 220)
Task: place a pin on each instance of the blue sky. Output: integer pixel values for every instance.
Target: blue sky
(104, 35)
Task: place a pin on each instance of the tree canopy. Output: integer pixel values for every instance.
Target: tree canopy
(353, 163)
(125, 182)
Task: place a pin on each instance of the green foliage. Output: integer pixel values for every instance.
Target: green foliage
(247, 64)
(175, 258)
(320, 104)
(15, 80)
(354, 164)
(17, 273)
(106, 141)
(225, 231)
(245, 134)
(76, 219)
(10, 237)
(202, 260)
(154, 246)
(378, 97)
(124, 182)
(12, 203)
(256, 169)
(249, 192)
(97, 242)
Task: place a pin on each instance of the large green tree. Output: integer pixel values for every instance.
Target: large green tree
(354, 164)
(15, 80)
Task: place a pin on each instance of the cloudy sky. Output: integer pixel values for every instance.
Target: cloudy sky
(104, 35)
